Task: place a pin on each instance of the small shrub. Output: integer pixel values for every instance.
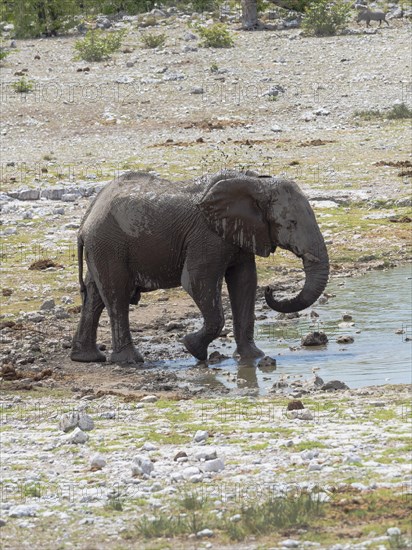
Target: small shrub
(23, 86)
(205, 5)
(214, 68)
(153, 40)
(325, 18)
(98, 45)
(3, 54)
(400, 110)
(215, 36)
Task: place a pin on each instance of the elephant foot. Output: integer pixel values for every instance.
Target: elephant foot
(87, 354)
(128, 354)
(249, 351)
(194, 346)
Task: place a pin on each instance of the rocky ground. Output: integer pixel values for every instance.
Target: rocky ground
(278, 102)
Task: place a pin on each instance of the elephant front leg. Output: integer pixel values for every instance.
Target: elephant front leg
(84, 348)
(207, 295)
(241, 282)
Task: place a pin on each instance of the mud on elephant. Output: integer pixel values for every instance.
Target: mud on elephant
(142, 233)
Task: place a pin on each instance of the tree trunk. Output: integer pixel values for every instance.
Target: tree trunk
(249, 14)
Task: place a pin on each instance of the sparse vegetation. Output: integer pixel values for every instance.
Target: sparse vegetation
(23, 86)
(153, 40)
(261, 518)
(397, 111)
(215, 36)
(325, 18)
(98, 45)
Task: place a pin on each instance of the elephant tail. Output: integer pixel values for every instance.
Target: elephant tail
(80, 247)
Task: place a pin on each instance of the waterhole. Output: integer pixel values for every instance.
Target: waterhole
(379, 304)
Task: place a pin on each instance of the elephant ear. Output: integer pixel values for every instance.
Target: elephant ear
(232, 208)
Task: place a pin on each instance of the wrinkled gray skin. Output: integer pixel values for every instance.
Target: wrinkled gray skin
(142, 233)
(369, 15)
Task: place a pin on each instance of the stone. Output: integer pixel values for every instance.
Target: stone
(200, 435)
(290, 543)
(149, 447)
(204, 533)
(97, 462)
(198, 90)
(23, 510)
(85, 422)
(347, 317)
(345, 339)
(142, 466)
(216, 357)
(53, 193)
(276, 129)
(190, 471)
(2, 523)
(296, 404)
(334, 385)
(69, 197)
(29, 195)
(393, 531)
(215, 465)
(303, 414)
(149, 399)
(68, 421)
(47, 305)
(77, 437)
(180, 454)
(206, 454)
(266, 362)
(315, 339)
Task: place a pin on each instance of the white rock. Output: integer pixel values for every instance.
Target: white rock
(68, 421)
(290, 543)
(190, 471)
(149, 447)
(352, 457)
(206, 454)
(200, 435)
(97, 462)
(47, 305)
(149, 399)
(23, 510)
(216, 465)
(302, 414)
(393, 531)
(85, 422)
(204, 533)
(77, 436)
(142, 465)
(276, 129)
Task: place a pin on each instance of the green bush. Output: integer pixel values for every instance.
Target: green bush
(3, 54)
(325, 18)
(205, 5)
(153, 40)
(98, 45)
(295, 5)
(33, 19)
(400, 110)
(215, 36)
(23, 86)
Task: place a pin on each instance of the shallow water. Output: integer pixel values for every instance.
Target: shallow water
(380, 305)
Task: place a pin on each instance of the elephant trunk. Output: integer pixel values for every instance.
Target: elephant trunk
(316, 272)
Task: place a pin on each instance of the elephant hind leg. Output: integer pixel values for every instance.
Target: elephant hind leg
(84, 348)
(117, 293)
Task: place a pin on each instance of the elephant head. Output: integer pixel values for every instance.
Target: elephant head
(259, 213)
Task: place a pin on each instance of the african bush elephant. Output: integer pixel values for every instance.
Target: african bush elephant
(142, 233)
